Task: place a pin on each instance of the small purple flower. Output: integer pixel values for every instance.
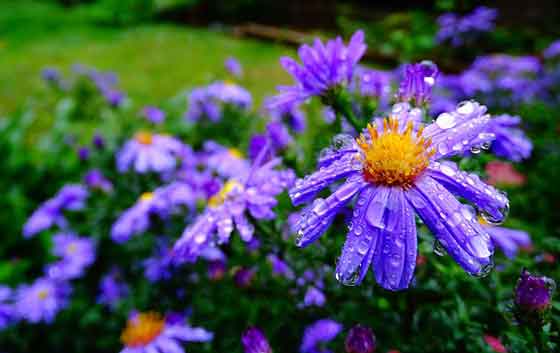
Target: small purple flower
(552, 51)
(419, 79)
(148, 152)
(325, 67)
(254, 341)
(511, 142)
(7, 310)
(206, 102)
(233, 66)
(76, 254)
(314, 297)
(279, 267)
(83, 153)
(291, 114)
(242, 276)
(42, 300)
(150, 333)
(508, 240)
(71, 197)
(112, 288)
(321, 331)
(51, 75)
(95, 180)
(393, 172)
(360, 339)
(98, 141)
(253, 193)
(163, 202)
(226, 162)
(114, 97)
(533, 293)
(457, 29)
(153, 114)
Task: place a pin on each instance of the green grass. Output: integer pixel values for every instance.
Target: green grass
(153, 61)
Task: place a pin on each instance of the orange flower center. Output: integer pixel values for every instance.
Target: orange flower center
(147, 196)
(43, 294)
(144, 138)
(142, 329)
(235, 153)
(394, 158)
(221, 196)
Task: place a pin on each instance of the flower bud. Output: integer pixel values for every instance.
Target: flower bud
(533, 298)
(254, 341)
(360, 339)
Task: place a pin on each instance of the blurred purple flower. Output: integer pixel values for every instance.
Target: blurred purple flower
(254, 341)
(114, 97)
(553, 50)
(71, 197)
(417, 83)
(76, 255)
(319, 332)
(112, 288)
(360, 339)
(42, 300)
(511, 142)
(153, 114)
(98, 141)
(95, 180)
(7, 309)
(233, 66)
(457, 29)
(280, 267)
(83, 153)
(314, 297)
(206, 102)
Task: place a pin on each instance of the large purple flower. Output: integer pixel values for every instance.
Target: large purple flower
(42, 300)
(393, 172)
(511, 142)
(71, 197)
(162, 202)
(323, 68)
(75, 253)
(321, 331)
(150, 333)
(148, 152)
(254, 194)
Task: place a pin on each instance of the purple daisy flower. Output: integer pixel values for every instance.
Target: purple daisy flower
(325, 67)
(419, 79)
(148, 152)
(511, 142)
(7, 310)
(42, 300)
(71, 197)
(150, 333)
(112, 288)
(508, 240)
(314, 297)
(75, 253)
(393, 172)
(321, 331)
(253, 194)
(163, 202)
(95, 180)
(233, 66)
(280, 267)
(254, 341)
(153, 114)
(206, 102)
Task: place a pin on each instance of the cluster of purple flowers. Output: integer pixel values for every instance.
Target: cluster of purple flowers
(460, 29)
(209, 101)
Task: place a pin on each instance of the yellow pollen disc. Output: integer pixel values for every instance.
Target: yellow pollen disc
(143, 137)
(221, 196)
(43, 294)
(394, 158)
(71, 249)
(482, 221)
(234, 152)
(229, 83)
(147, 196)
(142, 329)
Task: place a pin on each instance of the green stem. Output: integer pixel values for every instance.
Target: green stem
(346, 110)
(537, 335)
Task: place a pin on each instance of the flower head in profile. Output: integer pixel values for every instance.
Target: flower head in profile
(163, 202)
(148, 152)
(323, 69)
(233, 66)
(42, 300)
(321, 331)
(209, 101)
(511, 142)
(71, 197)
(393, 172)
(533, 298)
(252, 194)
(75, 254)
(151, 333)
(510, 241)
(153, 114)
(254, 341)
(416, 86)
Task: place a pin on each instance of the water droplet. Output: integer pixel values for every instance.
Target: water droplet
(496, 219)
(351, 279)
(442, 148)
(445, 121)
(447, 170)
(475, 150)
(465, 107)
(439, 249)
(484, 270)
(342, 141)
(429, 80)
(486, 145)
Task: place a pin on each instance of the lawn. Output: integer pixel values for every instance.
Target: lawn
(153, 61)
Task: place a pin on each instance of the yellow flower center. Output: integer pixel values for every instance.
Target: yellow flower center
(142, 329)
(234, 152)
(229, 83)
(143, 137)
(221, 196)
(71, 248)
(43, 294)
(482, 221)
(394, 158)
(147, 196)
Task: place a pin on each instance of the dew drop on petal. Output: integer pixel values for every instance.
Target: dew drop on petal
(465, 107)
(439, 249)
(445, 121)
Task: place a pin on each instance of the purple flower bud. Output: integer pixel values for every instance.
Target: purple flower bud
(216, 270)
(254, 341)
(95, 179)
(50, 75)
(243, 277)
(153, 114)
(233, 66)
(360, 339)
(418, 82)
(98, 141)
(83, 153)
(114, 97)
(533, 293)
